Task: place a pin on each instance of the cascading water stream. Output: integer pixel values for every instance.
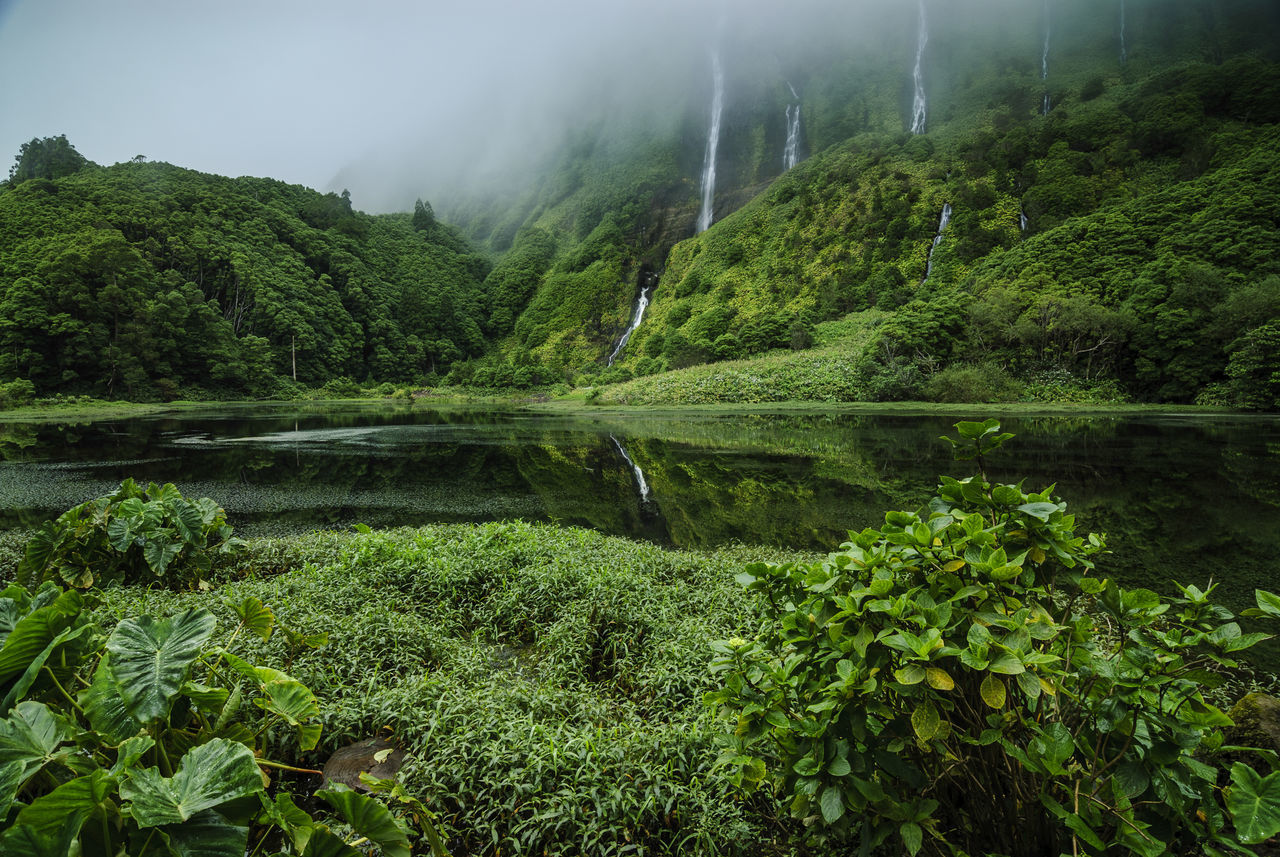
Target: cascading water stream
(641, 485)
(1044, 55)
(713, 144)
(642, 303)
(1124, 50)
(791, 153)
(1022, 220)
(919, 105)
(937, 239)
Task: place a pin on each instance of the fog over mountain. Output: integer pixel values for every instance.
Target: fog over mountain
(396, 100)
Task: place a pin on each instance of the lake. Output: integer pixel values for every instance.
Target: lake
(1181, 497)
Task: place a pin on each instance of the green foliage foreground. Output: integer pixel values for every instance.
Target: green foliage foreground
(549, 687)
(961, 666)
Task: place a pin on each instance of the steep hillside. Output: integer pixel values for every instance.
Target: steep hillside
(143, 280)
(1033, 123)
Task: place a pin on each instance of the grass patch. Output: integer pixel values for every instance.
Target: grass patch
(546, 682)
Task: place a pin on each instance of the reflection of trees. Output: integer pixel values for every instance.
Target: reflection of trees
(1181, 498)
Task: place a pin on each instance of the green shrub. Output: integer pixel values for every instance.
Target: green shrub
(959, 681)
(135, 535)
(161, 752)
(986, 382)
(16, 393)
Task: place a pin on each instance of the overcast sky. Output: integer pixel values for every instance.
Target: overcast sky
(300, 89)
(390, 98)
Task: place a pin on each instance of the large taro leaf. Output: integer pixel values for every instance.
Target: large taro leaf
(1254, 802)
(283, 696)
(11, 776)
(71, 641)
(104, 705)
(31, 736)
(369, 818)
(50, 824)
(325, 843)
(150, 659)
(208, 776)
(206, 834)
(50, 616)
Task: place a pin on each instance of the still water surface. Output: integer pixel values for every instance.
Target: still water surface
(1181, 497)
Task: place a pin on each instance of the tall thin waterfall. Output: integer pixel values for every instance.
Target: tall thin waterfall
(642, 303)
(919, 105)
(706, 213)
(791, 154)
(1044, 55)
(937, 239)
(1022, 220)
(1124, 50)
(641, 485)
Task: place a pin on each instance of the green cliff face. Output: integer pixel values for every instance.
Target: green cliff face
(1126, 235)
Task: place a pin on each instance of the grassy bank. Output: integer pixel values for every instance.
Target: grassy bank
(546, 682)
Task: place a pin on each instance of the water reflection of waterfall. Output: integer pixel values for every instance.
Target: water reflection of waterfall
(642, 303)
(937, 239)
(641, 485)
(713, 144)
(919, 106)
(791, 152)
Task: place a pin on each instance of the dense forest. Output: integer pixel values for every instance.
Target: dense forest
(142, 280)
(1102, 214)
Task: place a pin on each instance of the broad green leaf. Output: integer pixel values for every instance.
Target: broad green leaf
(150, 659)
(209, 699)
(939, 679)
(912, 837)
(129, 752)
(369, 818)
(11, 777)
(36, 630)
(1007, 664)
(210, 775)
(324, 843)
(910, 674)
(49, 825)
(160, 554)
(832, 804)
(993, 692)
(839, 767)
(1268, 602)
(31, 736)
(296, 824)
(1042, 511)
(925, 721)
(64, 639)
(1254, 803)
(1131, 779)
(105, 706)
(255, 617)
(188, 521)
(207, 834)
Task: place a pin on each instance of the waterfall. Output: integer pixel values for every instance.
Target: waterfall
(1022, 220)
(937, 239)
(791, 153)
(1046, 105)
(1124, 51)
(635, 470)
(1044, 55)
(642, 303)
(919, 106)
(713, 144)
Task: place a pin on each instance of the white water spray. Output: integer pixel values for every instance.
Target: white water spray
(791, 154)
(642, 303)
(1124, 51)
(706, 213)
(937, 239)
(1022, 220)
(635, 470)
(919, 105)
